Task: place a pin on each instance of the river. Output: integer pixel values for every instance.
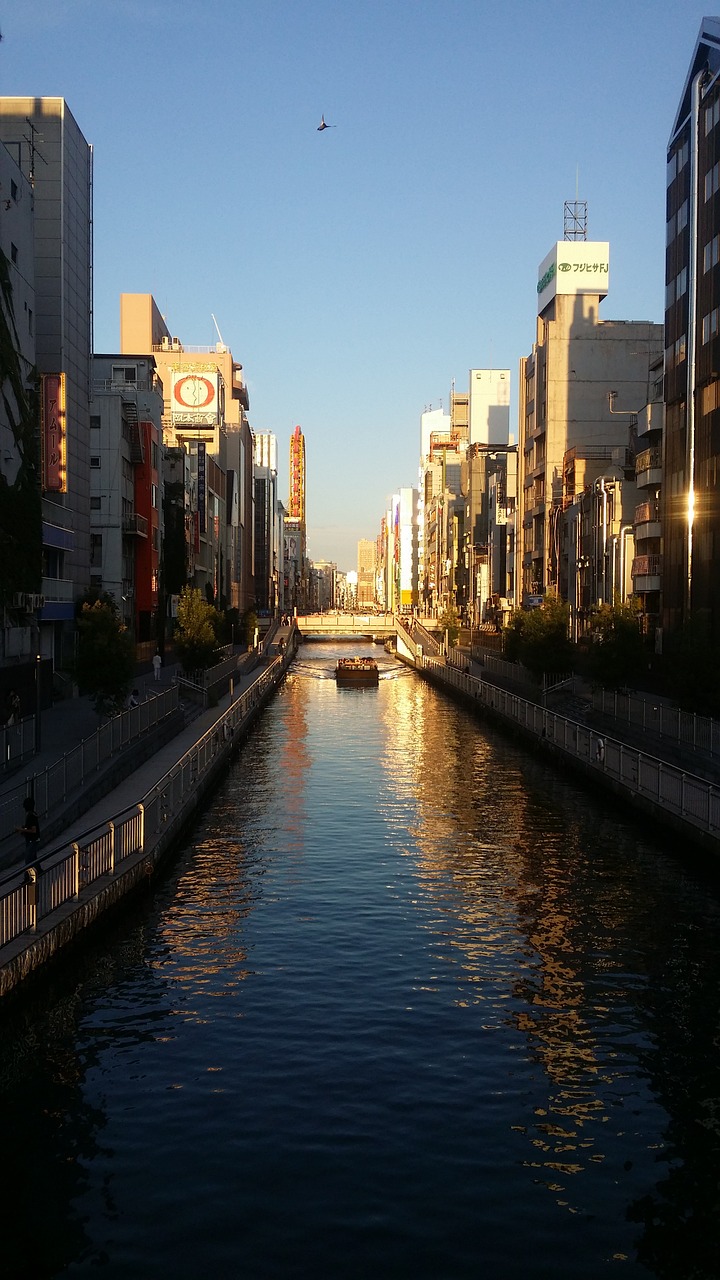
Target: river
(408, 1003)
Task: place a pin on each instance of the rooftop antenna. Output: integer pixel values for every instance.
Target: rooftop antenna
(575, 215)
(33, 150)
(222, 343)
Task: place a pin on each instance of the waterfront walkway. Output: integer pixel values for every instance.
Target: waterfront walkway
(68, 723)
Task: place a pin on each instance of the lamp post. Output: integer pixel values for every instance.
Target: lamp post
(38, 703)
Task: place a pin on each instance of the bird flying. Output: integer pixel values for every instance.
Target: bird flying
(322, 125)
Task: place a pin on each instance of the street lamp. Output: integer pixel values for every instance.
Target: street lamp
(38, 703)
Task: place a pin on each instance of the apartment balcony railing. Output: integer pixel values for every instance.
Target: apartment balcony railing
(648, 460)
(134, 524)
(646, 512)
(647, 566)
(61, 589)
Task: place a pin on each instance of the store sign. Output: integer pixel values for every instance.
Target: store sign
(195, 397)
(202, 486)
(572, 267)
(54, 433)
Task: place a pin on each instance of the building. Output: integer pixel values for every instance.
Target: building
(691, 470)
(267, 530)
(48, 148)
(126, 488)
(20, 495)
(204, 414)
(366, 572)
(579, 367)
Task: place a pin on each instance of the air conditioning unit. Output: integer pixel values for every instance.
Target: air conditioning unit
(176, 344)
(35, 602)
(165, 344)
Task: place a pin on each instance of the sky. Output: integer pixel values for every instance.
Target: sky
(359, 272)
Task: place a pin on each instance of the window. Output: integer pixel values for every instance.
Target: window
(681, 344)
(711, 253)
(94, 422)
(712, 180)
(711, 324)
(682, 216)
(13, 190)
(95, 461)
(712, 115)
(30, 320)
(681, 283)
(124, 373)
(153, 496)
(669, 294)
(14, 253)
(95, 504)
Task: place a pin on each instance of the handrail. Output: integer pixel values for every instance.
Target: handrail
(106, 848)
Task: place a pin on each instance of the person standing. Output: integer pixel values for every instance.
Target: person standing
(12, 708)
(30, 830)
(157, 666)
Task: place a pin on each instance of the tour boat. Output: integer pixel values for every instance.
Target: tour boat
(357, 671)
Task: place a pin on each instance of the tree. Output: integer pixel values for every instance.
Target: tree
(106, 655)
(196, 634)
(450, 622)
(539, 638)
(618, 653)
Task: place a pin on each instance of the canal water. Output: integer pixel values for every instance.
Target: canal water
(407, 1004)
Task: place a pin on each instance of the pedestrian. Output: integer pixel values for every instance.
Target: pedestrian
(30, 830)
(12, 708)
(134, 698)
(157, 666)
(600, 751)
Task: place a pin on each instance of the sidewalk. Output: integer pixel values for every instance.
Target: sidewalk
(67, 723)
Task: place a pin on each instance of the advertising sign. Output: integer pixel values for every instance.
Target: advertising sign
(574, 266)
(54, 433)
(202, 486)
(194, 397)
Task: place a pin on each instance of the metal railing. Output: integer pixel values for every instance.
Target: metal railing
(17, 743)
(673, 790)
(683, 727)
(52, 786)
(105, 849)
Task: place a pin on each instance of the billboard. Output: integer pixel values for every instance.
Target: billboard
(572, 267)
(195, 397)
(54, 433)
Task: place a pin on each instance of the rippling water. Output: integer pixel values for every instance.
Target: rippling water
(408, 1004)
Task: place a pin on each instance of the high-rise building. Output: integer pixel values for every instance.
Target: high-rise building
(366, 571)
(579, 369)
(295, 548)
(49, 149)
(267, 546)
(691, 471)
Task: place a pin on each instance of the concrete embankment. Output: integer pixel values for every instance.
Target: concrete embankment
(673, 798)
(118, 845)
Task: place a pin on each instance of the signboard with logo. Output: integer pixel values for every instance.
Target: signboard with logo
(194, 396)
(574, 266)
(54, 433)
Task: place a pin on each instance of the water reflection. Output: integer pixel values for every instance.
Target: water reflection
(404, 993)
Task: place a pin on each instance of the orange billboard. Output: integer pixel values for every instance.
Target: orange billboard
(54, 433)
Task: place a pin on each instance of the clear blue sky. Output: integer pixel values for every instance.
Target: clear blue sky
(356, 272)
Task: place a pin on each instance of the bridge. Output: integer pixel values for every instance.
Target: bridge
(336, 625)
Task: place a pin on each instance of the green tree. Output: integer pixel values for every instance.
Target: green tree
(248, 623)
(196, 633)
(690, 667)
(539, 638)
(106, 656)
(450, 622)
(618, 653)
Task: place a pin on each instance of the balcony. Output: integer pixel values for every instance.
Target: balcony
(136, 526)
(651, 418)
(647, 520)
(646, 573)
(648, 468)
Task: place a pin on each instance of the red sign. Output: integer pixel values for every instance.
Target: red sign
(54, 433)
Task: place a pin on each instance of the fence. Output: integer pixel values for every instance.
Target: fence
(51, 787)
(674, 791)
(106, 849)
(17, 743)
(684, 727)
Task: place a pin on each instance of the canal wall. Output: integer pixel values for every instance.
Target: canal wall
(73, 887)
(674, 799)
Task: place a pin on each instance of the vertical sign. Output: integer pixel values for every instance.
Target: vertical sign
(202, 513)
(53, 433)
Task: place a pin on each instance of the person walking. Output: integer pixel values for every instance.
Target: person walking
(30, 830)
(157, 666)
(12, 708)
